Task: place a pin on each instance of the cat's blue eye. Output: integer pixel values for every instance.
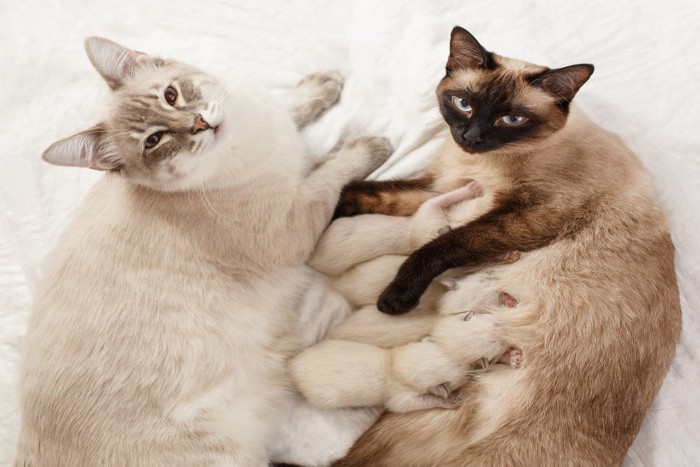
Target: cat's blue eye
(152, 140)
(513, 120)
(462, 105)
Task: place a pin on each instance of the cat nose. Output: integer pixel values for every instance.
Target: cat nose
(199, 125)
(473, 135)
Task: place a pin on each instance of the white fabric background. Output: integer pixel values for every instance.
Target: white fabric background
(646, 87)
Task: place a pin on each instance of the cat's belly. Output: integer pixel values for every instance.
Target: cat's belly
(262, 336)
(200, 364)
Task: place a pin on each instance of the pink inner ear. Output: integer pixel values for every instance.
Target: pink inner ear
(113, 61)
(85, 149)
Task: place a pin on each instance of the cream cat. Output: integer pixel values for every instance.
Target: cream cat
(161, 331)
(592, 303)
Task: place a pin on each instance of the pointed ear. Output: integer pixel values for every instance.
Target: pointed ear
(113, 61)
(466, 52)
(85, 149)
(563, 83)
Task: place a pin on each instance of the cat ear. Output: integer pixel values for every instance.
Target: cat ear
(113, 61)
(563, 83)
(85, 149)
(466, 52)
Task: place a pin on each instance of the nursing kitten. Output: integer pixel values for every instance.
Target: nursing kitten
(597, 314)
(162, 328)
(357, 367)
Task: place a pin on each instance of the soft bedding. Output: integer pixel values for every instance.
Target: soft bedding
(392, 54)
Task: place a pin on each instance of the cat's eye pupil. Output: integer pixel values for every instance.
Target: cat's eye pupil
(462, 105)
(170, 95)
(514, 119)
(153, 139)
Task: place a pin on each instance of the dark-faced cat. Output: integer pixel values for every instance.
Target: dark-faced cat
(594, 304)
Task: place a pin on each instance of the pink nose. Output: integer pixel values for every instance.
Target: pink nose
(199, 125)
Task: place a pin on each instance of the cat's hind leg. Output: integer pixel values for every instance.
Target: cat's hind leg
(314, 94)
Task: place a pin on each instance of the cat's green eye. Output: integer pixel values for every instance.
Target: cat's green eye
(462, 105)
(170, 95)
(154, 139)
(513, 120)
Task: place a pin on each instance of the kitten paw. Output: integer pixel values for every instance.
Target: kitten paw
(410, 403)
(513, 357)
(314, 94)
(506, 299)
(441, 390)
(511, 257)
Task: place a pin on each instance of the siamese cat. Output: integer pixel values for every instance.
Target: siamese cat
(591, 305)
(166, 316)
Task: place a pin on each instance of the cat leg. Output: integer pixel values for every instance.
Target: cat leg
(314, 94)
(362, 284)
(318, 194)
(430, 220)
(371, 326)
(392, 197)
(345, 243)
(517, 224)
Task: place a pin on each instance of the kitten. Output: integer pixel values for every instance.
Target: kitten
(365, 364)
(597, 314)
(162, 328)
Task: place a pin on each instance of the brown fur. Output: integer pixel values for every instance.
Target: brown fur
(598, 314)
(394, 197)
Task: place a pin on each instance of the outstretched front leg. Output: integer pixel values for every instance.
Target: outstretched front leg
(522, 221)
(314, 94)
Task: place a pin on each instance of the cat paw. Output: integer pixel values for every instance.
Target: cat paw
(513, 357)
(406, 403)
(376, 150)
(511, 257)
(505, 299)
(441, 390)
(396, 301)
(314, 94)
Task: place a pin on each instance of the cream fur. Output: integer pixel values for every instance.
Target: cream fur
(165, 318)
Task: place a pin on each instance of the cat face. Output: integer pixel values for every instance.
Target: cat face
(492, 102)
(165, 124)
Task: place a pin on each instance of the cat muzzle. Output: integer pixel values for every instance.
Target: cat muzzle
(199, 125)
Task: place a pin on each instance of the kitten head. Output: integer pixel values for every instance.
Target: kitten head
(492, 102)
(162, 128)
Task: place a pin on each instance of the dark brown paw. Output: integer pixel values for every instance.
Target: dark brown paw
(397, 300)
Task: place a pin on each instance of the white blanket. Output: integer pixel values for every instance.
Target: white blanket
(646, 87)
